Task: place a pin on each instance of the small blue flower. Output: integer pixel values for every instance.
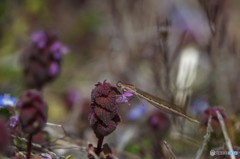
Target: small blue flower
(7, 100)
(136, 112)
(198, 106)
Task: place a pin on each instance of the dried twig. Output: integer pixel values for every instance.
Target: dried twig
(173, 156)
(58, 125)
(206, 138)
(69, 148)
(63, 129)
(226, 136)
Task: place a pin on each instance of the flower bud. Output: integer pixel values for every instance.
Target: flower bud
(32, 111)
(104, 109)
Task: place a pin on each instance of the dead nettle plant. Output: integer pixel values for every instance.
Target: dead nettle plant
(32, 115)
(41, 64)
(42, 60)
(104, 117)
(215, 123)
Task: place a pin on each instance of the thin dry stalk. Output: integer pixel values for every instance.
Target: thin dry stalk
(206, 138)
(226, 136)
(171, 153)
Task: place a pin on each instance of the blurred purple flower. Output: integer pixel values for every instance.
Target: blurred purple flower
(59, 48)
(213, 112)
(198, 106)
(13, 121)
(42, 60)
(53, 69)
(39, 38)
(192, 21)
(71, 97)
(136, 112)
(43, 38)
(159, 123)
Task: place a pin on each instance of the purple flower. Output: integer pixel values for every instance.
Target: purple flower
(42, 60)
(72, 97)
(124, 98)
(59, 48)
(39, 38)
(14, 121)
(159, 123)
(213, 112)
(53, 69)
(191, 21)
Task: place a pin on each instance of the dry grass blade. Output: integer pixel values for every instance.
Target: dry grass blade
(170, 151)
(206, 138)
(226, 136)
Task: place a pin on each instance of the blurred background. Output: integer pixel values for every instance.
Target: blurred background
(183, 51)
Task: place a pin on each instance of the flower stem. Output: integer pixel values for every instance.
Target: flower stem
(99, 145)
(29, 146)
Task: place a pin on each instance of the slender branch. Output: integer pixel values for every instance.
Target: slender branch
(173, 156)
(226, 136)
(63, 129)
(58, 125)
(206, 138)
